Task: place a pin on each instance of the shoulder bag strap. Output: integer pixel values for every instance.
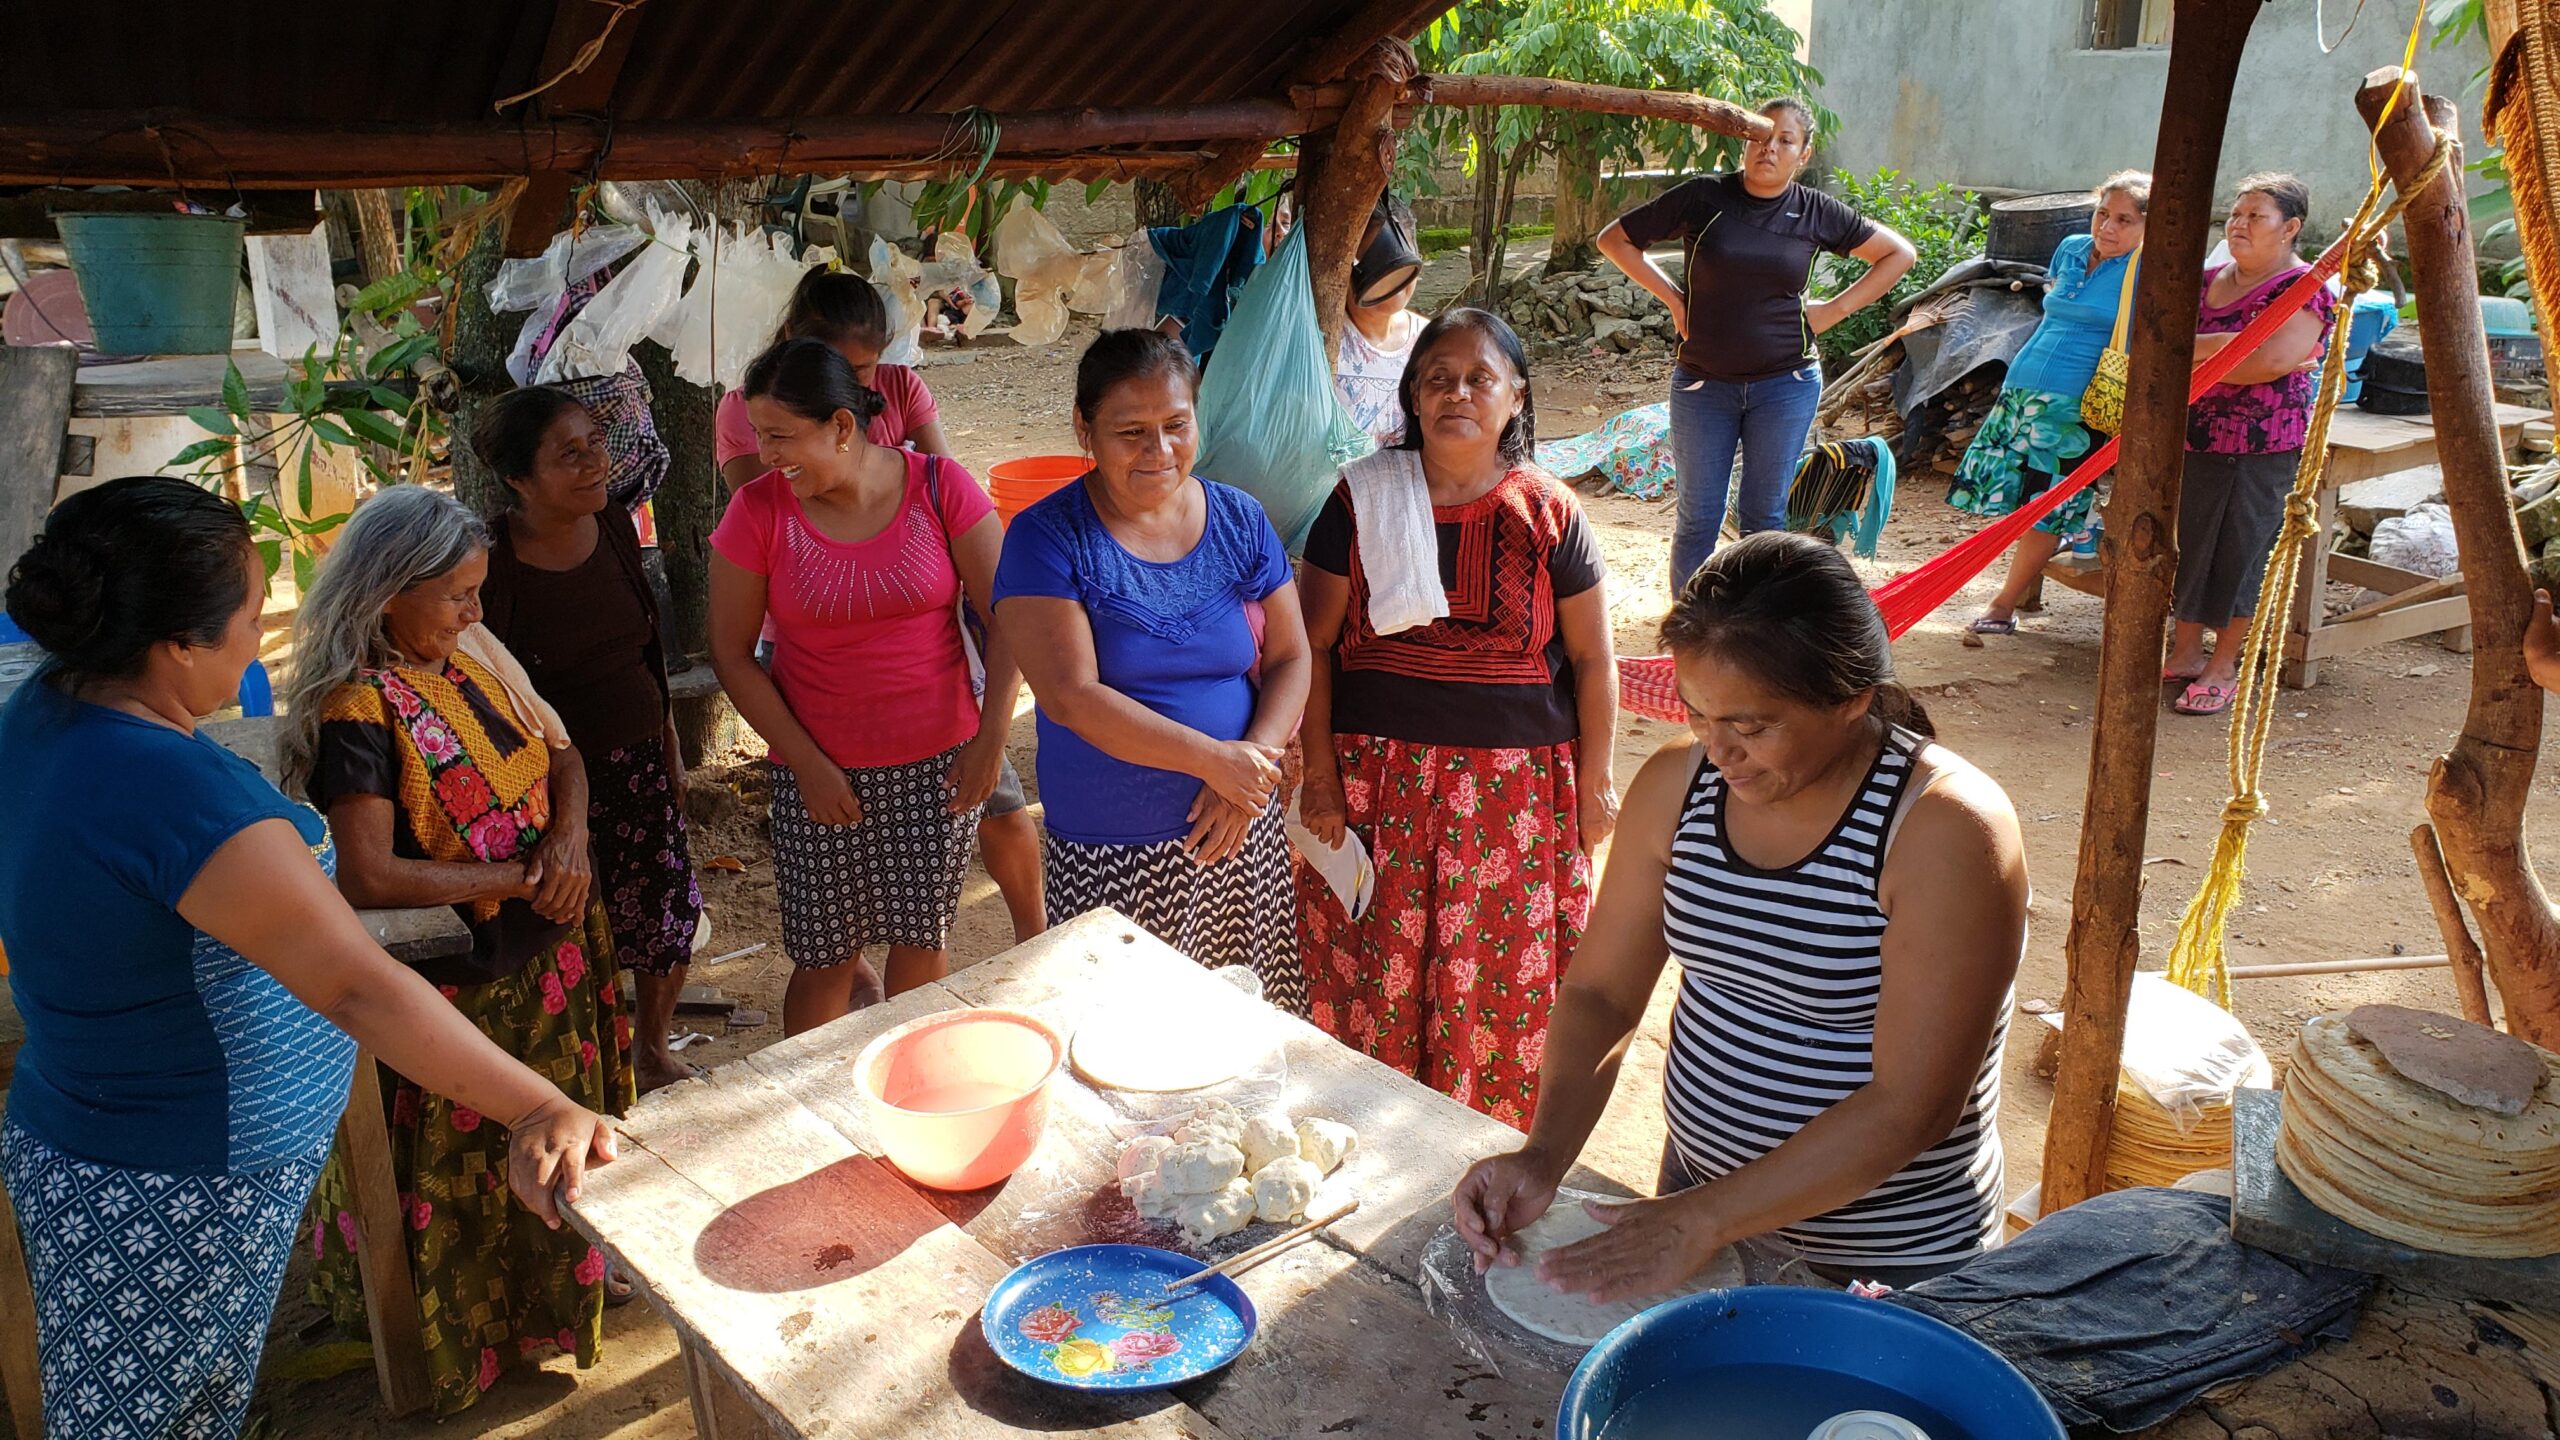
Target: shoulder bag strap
(2124, 298)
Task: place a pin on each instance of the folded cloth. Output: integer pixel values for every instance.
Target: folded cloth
(1399, 541)
(531, 708)
(2125, 1309)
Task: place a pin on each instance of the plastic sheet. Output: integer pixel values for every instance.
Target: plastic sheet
(740, 286)
(1135, 281)
(538, 283)
(1990, 330)
(899, 277)
(1271, 422)
(599, 341)
(1044, 268)
(1452, 1290)
(2184, 1050)
(955, 266)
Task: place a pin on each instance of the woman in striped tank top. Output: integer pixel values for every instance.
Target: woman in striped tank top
(1847, 903)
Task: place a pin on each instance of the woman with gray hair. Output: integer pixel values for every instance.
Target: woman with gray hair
(447, 781)
(2036, 428)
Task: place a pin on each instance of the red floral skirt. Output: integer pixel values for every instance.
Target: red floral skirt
(1483, 890)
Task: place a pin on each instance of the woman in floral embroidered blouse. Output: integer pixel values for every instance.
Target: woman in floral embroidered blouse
(2244, 440)
(1470, 753)
(448, 782)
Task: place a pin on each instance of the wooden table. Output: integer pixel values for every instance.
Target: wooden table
(2361, 445)
(816, 1292)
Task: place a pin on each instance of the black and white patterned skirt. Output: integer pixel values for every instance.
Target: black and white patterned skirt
(1240, 911)
(891, 878)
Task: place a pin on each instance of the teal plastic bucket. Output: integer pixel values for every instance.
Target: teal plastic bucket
(156, 284)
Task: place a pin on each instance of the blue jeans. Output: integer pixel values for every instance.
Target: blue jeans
(1768, 421)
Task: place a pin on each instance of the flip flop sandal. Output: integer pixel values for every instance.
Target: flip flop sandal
(1985, 625)
(2179, 677)
(616, 1299)
(2202, 699)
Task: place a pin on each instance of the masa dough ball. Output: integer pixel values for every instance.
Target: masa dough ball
(1148, 1196)
(1282, 1189)
(1204, 1218)
(1215, 1121)
(1268, 1138)
(1202, 1168)
(1326, 1143)
(1141, 1155)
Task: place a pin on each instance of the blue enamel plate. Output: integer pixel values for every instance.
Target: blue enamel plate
(1097, 1318)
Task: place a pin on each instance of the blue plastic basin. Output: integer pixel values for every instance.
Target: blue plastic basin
(1766, 1356)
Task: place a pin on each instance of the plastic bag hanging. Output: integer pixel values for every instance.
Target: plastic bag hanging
(899, 278)
(1043, 267)
(599, 341)
(740, 286)
(1270, 422)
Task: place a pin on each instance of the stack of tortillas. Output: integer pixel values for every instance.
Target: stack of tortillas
(2148, 1147)
(2427, 1130)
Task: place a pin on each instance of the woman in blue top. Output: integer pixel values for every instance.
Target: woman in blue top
(1154, 616)
(193, 987)
(2034, 430)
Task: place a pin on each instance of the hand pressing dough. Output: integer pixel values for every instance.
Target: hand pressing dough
(1204, 1218)
(1141, 1155)
(1282, 1189)
(1148, 1196)
(1326, 1143)
(1268, 1138)
(1202, 1168)
(1577, 1319)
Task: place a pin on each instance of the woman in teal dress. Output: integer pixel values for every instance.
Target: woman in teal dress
(2034, 431)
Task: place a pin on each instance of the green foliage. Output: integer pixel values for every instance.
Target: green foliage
(334, 401)
(1732, 50)
(1942, 222)
(1441, 239)
(2493, 211)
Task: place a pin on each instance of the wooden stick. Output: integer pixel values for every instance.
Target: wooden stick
(2339, 967)
(2443, 585)
(1241, 1262)
(2141, 565)
(2465, 952)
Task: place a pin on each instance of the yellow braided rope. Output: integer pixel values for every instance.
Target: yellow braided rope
(2197, 960)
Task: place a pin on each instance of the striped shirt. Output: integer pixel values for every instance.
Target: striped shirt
(1782, 969)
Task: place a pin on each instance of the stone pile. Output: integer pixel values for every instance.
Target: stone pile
(1598, 306)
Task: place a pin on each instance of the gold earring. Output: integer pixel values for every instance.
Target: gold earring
(843, 448)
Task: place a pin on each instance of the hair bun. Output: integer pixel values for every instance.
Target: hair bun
(57, 592)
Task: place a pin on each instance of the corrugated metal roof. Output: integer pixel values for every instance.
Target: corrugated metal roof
(414, 63)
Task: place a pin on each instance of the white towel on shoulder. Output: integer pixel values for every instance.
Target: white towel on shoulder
(1399, 543)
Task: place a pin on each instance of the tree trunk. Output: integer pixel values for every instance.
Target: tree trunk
(2141, 567)
(378, 233)
(1494, 265)
(1581, 207)
(2477, 792)
(1156, 203)
(478, 356)
(1348, 177)
(1489, 218)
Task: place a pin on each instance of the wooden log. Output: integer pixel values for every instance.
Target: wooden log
(1462, 91)
(1333, 53)
(1348, 173)
(584, 86)
(86, 147)
(2141, 570)
(2461, 951)
(1228, 162)
(2477, 791)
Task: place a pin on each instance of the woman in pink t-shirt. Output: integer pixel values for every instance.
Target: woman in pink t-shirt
(846, 312)
(883, 754)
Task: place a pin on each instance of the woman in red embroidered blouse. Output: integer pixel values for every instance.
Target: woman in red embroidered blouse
(1472, 753)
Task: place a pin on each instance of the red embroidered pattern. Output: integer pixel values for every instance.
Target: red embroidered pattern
(1502, 609)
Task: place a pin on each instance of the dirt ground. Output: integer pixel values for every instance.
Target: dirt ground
(2330, 870)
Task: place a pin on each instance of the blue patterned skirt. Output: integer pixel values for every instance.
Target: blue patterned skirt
(2030, 440)
(153, 1291)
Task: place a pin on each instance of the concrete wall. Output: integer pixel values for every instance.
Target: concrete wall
(2002, 93)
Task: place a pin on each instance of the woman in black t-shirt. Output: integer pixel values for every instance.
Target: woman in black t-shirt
(1747, 377)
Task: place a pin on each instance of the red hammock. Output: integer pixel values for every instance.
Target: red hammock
(1645, 682)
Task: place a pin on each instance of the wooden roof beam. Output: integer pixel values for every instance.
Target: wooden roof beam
(1678, 106)
(574, 89)
(123, 148)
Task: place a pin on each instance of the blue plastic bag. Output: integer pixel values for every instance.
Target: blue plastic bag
(1271, 423)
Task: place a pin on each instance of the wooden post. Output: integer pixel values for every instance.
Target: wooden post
(21, 1362)
(477, 352)
(2142, 565)
(1342, 179)
(382, 1245)
(2477, 791)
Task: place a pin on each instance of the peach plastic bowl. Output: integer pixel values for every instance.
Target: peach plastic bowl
(959, 1099)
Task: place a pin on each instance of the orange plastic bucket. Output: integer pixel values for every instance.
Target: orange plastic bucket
(960, 1099)
(1017, 485)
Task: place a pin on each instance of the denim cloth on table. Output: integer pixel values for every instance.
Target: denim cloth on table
(1768, 421)
(1205, 266)
(2127, 1308)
